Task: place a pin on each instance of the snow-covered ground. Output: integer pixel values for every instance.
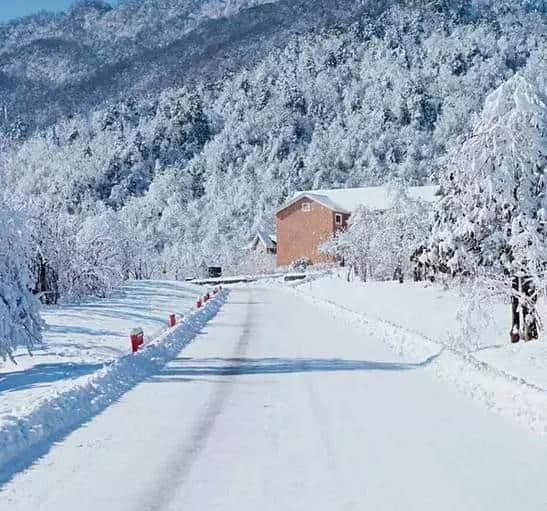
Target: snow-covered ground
(46, 392)
(440, 315)
(424, 318)
(79, 339)
(281, 403)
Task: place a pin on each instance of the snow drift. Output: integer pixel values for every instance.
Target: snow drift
(60, 413)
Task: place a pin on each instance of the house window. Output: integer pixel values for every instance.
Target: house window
(306, 206)
(338, 219)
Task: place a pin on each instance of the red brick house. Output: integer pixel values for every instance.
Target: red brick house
(312, 217)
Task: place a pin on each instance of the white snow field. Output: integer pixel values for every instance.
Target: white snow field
(74, 375)
(80, 339)
(424, 317)
(280, 404)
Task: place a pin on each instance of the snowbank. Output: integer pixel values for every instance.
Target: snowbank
(422, 322)
(80, 339)
(261, 278)
(57, 414)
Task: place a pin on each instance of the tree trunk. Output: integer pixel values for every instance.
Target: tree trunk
(524, 318)
(46, 285)
(363, 272)
(515, 313)
(531, 327)
(398, 274)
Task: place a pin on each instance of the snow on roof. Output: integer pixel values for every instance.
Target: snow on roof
(346, 200)
(269, 240)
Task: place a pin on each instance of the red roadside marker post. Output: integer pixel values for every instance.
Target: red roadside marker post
(137, 339)
(172, 321)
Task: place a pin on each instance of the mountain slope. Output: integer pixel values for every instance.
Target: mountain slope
(55, 65)
(276, 98)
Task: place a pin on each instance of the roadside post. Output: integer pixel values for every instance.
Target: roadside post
(137, 339)
(172, 320)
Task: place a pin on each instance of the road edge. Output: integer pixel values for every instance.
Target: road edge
(501, 392)
(25, 438)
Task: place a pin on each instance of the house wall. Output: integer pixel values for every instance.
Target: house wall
(300, 233)
(263, 249)
(259, 246)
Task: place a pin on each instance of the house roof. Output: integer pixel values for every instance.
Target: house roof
(269, 240)
(347, 200)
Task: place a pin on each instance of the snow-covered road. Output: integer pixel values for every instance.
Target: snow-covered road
(279, 406)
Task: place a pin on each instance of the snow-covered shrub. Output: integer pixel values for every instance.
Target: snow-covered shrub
(20, 323)
(253, 262)
(490, 224)
(301, 265)
(96, 260)
(78, 255)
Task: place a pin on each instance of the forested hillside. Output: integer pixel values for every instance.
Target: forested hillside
(53, 65)
(153, 137)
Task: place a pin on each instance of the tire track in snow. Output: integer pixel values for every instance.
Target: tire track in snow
(181, 463)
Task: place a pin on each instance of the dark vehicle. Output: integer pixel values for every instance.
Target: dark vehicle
(214, 272)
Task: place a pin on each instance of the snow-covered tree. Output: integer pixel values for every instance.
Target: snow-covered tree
(380, 244)
(402, 229)
(95, 267)
(491, 222)
(353, 247)
(20, 323)
(189, 170)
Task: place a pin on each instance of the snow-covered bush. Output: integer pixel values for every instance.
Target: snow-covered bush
(491, 222)
(253, 262)
(20, 323)
(96, 259)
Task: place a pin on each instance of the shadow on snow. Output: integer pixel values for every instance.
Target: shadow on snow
(44, 373)
(242, 366)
